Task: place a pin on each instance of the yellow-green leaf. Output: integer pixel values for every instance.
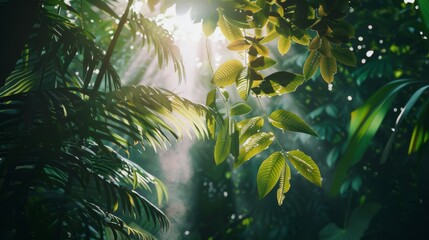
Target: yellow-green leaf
(209, 24)
(311, 64)
(227, 73)
(328, 68)
(288, 121)
(238, 45)
(279, 83)
(261, 63)
(303, 40)
(254, 145)
(262, 49)
(269, 173)
(240, 109)
(284, 44)
(223, 143)
(284, 185)
(243, 83)
(305, 166)
(249, 127)
(315, 44)
(231, 32)
(270, 37)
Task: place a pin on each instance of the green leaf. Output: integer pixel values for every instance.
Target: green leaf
(234, 133)
(249, 127)
(340, 35)
(240, 109)
(356, 227)
(305, 166)
(311, 64)
(279, 83)
(209, 24)
(261, 49)
(243, 84)
(270, 37)
(420, 133)
(262, 62)
(254, 145)
(303, 40)
(227, 73)
(283, 44)
(231, 32)
(328, 68)
(269, 173)
(315, 44)
(424, 11)
(364, 124)
(325, 48)
(288, 121)
(223, 143)
(284, 184)
(344, 56)
(238, 45)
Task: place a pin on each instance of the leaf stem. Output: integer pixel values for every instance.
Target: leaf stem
(227, 107)
(112, 45)
(269, 125)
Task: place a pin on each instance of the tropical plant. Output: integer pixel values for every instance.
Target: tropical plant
(67, 123)
(249, 26)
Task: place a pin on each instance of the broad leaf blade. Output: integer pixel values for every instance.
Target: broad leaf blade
(249, 127)
(328, 68)
(344, 56)
(288, 121)
(311, 64)
(284, 44)
(227, 73)
(238, 45)
(254, 145)
(284, 184)
(305, 166)
(231, 32)
(240, 109)
(269, 173)
(223, 143)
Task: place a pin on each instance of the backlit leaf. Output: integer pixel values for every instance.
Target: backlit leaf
(284, 184)
(240, 109)
(223, 143)
(316, 43)
(269, 173)
(284, 44)
(311, 64)
(254, 145)
(262, 62)
(209, 24)
(261, 49)
(328, 68)
(305, 166)
(231, 32)
(288, 121)
(238, 45)
(243, 83)
(227, 73)
(249, 127)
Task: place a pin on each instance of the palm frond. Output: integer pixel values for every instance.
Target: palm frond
(149, 32)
